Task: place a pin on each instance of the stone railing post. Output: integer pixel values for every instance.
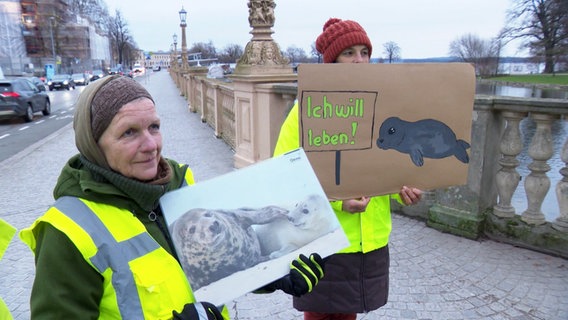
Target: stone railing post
(507, 179)
(537, 182)
(561, 222)
(460, 209)
(261, 63)
(193, 73)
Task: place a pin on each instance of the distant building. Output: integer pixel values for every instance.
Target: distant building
(36, 33)
(157, 58)
(520, 68)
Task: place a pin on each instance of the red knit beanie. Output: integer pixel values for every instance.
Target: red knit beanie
(339, 35)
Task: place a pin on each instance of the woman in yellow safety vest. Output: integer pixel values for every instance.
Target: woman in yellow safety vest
(103, 250)
(356, 278)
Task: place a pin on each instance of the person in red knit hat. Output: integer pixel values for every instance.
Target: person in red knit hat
(356, 279)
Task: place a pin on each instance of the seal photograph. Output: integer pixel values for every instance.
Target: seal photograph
(229, 236)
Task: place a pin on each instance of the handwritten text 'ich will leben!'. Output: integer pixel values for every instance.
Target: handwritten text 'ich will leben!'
(327, 110)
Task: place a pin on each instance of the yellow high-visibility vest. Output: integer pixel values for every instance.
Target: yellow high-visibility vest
(6, 234)
(141, 279)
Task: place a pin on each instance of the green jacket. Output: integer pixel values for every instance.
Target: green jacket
(77, 294)
(366, 231)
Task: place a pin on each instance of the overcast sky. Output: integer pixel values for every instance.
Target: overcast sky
(421, 28)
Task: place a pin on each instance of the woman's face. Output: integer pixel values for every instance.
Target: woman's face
(132, 143)
(354, 54)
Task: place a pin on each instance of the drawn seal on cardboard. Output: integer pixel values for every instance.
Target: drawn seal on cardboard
(213, 243)
(424, 138)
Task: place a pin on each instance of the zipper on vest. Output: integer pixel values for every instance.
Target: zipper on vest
(154, 217)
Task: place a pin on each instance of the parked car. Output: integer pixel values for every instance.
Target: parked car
(21, 98)
(97, 74)
(138, 69)
(80, 79)
(115, 71)
(37, 82)
(61, 81)
(156, 68)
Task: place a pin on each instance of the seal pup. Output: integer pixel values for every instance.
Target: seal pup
(212, 244)
(307, 220)
(424, 138)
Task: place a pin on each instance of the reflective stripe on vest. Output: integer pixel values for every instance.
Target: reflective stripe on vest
(112, 254)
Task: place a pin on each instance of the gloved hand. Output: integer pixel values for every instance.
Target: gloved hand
(304, 275)
(198, 311)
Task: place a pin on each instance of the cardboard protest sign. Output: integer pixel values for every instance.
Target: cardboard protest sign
(369, 129)
(237, 232)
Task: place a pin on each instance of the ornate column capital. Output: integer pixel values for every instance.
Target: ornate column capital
(262, 54)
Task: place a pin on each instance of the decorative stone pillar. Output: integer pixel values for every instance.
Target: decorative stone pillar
(561, 222)
(262, 55)
(507, 179)
(255, 105)
(537, 182)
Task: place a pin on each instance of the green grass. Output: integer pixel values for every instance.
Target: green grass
(558, 79)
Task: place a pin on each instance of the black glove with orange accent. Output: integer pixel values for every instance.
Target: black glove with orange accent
(303, 277)
(198, 311)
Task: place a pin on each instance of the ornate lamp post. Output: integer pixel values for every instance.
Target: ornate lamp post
(175, 61)
(183, 24)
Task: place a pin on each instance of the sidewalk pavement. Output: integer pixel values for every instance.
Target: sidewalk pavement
(433, 275)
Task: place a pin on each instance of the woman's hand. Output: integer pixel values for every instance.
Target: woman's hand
(410, 195)
(355, 205)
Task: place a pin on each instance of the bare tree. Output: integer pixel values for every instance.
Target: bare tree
(483, 54)
(315, 53)
(392, 51)
(119, 35)
(207, 50)
(542, 26)
(295, 54)
(231, 53)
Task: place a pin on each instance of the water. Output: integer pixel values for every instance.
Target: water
(559, 129)
(523, 92)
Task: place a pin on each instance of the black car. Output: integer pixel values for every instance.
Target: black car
(97, 74)
(21, 98)
(61, 81)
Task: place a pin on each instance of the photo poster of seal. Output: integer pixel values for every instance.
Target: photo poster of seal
(342, 108)
(239, 231)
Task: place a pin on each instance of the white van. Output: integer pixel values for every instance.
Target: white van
(138, 69)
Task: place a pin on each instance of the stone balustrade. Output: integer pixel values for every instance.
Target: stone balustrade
(482, 207)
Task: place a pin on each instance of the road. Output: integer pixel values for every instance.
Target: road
(16, 134)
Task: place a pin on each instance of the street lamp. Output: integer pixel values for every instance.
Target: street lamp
(175, 62)
(183, 24)
(52, 42)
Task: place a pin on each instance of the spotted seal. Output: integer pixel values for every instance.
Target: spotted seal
(424, 138)
(213, 244)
